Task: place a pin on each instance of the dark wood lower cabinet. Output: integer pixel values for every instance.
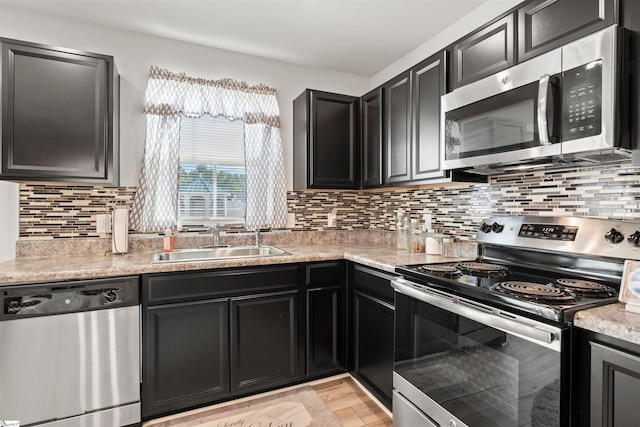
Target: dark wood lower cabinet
(187, 347)
(264, 341)
(325, 318)
(215, 335)
(373, 333)
(372, 314)
(607, 384)
(324, 329)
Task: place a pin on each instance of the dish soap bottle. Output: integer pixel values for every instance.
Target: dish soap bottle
(168, 240)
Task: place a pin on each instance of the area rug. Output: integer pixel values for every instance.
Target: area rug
(299, 407)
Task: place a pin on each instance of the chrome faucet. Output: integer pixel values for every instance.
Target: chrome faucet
(216, 234)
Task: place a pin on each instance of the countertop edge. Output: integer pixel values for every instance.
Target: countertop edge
(612, 320)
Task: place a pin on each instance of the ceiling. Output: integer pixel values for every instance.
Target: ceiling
(358, 37)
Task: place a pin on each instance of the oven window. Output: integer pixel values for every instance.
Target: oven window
(504, 122)
(483, 376)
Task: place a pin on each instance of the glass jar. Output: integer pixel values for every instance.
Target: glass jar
(416, 238)
(448, 246)
(402, 232)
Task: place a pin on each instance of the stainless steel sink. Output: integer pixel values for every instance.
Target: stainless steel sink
(206, 254)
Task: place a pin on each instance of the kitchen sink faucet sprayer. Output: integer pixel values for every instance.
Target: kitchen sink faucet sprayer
(257, 235)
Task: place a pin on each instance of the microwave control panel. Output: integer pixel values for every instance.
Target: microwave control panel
(582, 101)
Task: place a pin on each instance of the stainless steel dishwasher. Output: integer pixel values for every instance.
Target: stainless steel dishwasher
(70, 353)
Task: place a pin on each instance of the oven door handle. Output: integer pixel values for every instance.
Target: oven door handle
(531, 330)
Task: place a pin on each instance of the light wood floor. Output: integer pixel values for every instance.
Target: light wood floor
(343, 396)
(351, 405)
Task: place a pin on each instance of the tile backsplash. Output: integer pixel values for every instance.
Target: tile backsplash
(51, 211)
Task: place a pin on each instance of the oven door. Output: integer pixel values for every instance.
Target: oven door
(461, 363)
(507, 118)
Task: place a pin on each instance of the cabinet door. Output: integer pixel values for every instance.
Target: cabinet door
(371, 113)
(58, 109)
(373, 346)
(429, 79)
(546, 24)
(326, 141)
(484, 52)
(323, 329)
(397, 134)
(615, 387)
(186, 355)
(264, 341)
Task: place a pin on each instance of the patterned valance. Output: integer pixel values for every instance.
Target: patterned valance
(169, 98)
(176, 94)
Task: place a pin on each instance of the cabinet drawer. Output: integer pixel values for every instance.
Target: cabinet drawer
(373, 282)
(323, 273)
(163, 288)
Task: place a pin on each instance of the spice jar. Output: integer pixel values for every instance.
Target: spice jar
(416, 237)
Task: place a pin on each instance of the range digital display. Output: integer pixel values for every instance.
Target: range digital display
(549, 231)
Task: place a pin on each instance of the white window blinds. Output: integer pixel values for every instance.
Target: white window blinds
(212, 186)
(211, 140)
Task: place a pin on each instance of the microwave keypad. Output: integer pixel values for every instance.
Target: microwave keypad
(582, 95)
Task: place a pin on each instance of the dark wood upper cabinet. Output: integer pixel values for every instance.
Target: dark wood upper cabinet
(397, 129)
(429, 84)
(371, 131)
(325, 147)
(484, 52)
(59, 114)
(546, 24)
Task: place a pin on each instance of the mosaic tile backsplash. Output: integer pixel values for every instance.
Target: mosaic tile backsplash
(49, 211)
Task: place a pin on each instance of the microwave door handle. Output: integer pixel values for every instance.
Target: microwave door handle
(543, 90)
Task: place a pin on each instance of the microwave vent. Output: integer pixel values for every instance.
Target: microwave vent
(557, 163)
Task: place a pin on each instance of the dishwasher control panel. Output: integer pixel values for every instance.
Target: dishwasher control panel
(67, 297)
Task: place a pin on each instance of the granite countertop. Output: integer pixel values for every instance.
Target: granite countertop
(612, 320)
(57, 268)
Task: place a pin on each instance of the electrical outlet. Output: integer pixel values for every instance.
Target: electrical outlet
(291, 220)
(101, 223)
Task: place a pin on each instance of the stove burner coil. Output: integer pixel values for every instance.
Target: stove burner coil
(586, 287)
(482, 269)
(535, 291)
(440, 270)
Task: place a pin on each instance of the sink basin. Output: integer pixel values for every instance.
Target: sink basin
(206, 254)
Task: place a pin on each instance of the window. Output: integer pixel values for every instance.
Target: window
(212, 181)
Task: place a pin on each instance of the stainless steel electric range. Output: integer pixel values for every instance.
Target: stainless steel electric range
(487, 342)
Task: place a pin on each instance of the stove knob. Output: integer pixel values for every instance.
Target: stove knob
(614, 236)
(486, 228)
(634, 239)
(497, 228)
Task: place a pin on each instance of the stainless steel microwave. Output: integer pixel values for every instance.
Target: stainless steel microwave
(565, 106)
